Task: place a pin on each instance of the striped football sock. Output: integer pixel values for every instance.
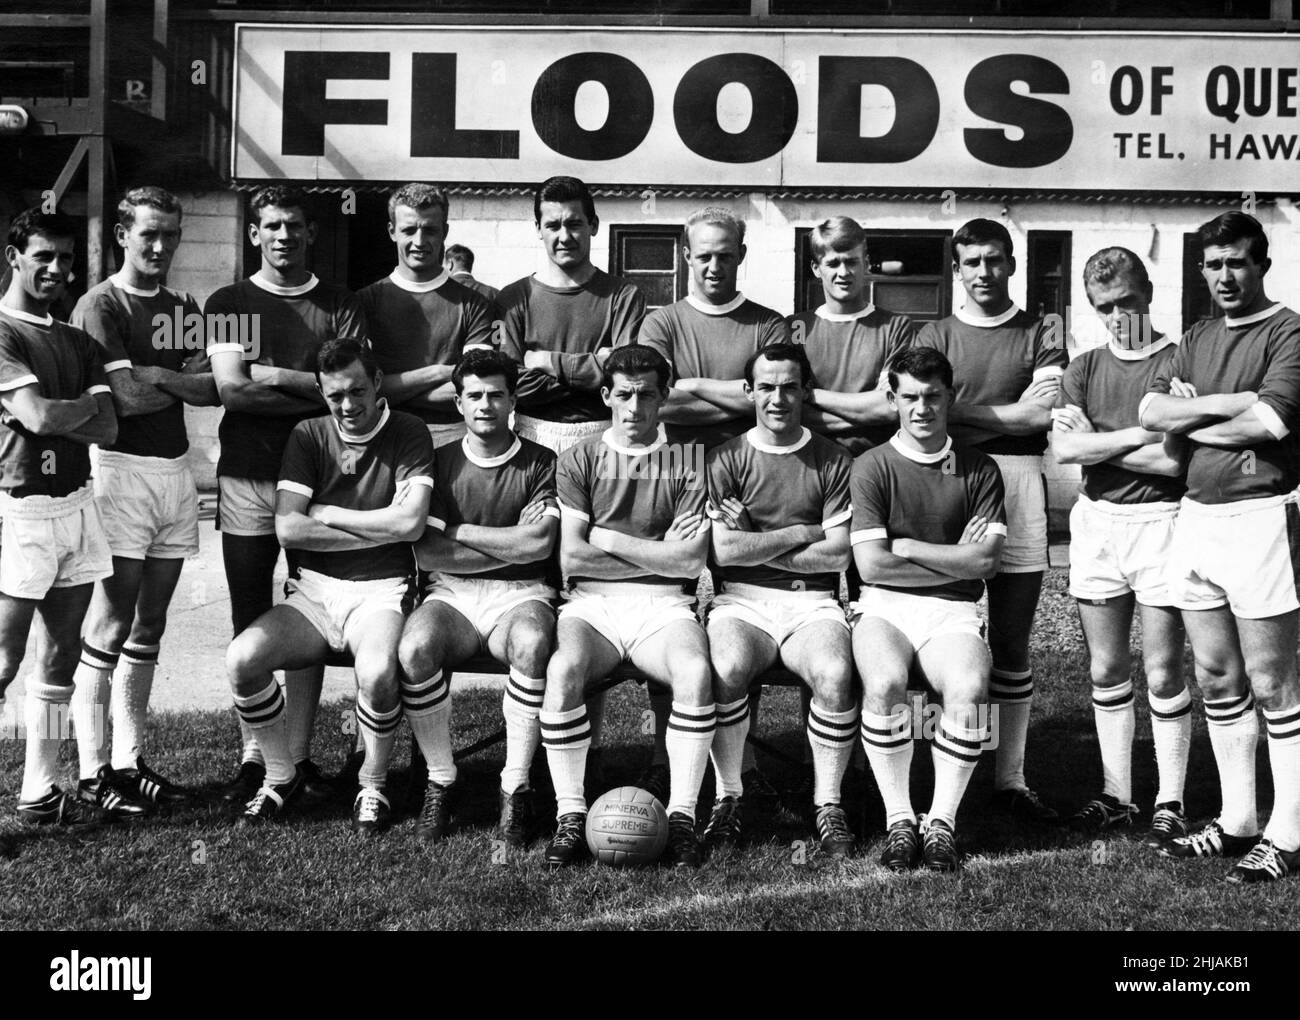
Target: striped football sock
(520, 705)
(90, 708)
(1234, 730)
(728, 744)
(1012, 691)
(379, 730)
(302, 689)
(264, 713)
(1112, 709)
(690, 734)
(132, 685)
(1171, 733)
(567, 737)
(427, 705)
(830, 734)
(956, 752)
(887, 741)
(1284, 759)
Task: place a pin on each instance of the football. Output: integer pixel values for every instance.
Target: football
(627, 827)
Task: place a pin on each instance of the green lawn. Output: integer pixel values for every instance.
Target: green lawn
(195, 870)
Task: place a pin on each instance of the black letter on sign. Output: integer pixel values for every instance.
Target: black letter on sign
(839, 109)
(775, 104)
(307, 111)
(433, 115)
(1047, 127)
(631, 106)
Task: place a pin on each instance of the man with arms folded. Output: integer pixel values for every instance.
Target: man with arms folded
(928, 528)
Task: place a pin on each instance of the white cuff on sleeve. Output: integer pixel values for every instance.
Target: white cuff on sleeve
(1270, 420)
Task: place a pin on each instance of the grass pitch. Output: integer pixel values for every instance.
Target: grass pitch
(194, 870)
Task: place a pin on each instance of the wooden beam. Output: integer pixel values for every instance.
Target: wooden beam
(95, 212)
(158, 93)
(44, 21)
(69, 171)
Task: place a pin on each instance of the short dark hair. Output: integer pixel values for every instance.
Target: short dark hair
(636, 359)
(337, 354)
(837, 234)
(781, 352)
(563, 189)
(282, 196)
(418, 196)
(1107, 264)
(30, 222)
(482, 364)
(982, 231)
(460, 255)
(1231, 227)
(924, 364)
(154, 198)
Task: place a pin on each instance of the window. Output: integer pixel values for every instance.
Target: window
(911, 272)
(1048, 260)
(1197, 303)
(651, 258)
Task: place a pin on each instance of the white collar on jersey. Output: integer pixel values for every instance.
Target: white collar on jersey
(274, 288)
(362, 440)
(708, 309)
(1250, 320)
(1138, 353)
(607, 437)
(916, 455)
(822, 313)
(805, 438)
(983, 321)
(490, 462)
(419, 288)
(35, 320)
(117, 281)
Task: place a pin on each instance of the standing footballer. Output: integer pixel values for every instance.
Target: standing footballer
(928, 528)
(779, 495)
(1006, 368)
(146, 496)
(1233, 390)
(1120, 530)
(56, 403)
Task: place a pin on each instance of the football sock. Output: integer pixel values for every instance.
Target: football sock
(90, 708)
(1011, 691)
(567, 737)
(379, 731)
(520, 705)
(729, 738)
(1112, 709)
(830, 734)
(1234, 730)
(747, 762)
(596, 716)
(887, 741)
(955, 754)
(302, 689)
(132, 684)
(427, 705)
(264, 712)
(1284, 759)
(251, 752)
(690, 733)
(47, 724)
(661, 704)
(1171, 733)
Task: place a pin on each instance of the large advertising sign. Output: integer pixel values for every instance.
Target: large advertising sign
(769, 109)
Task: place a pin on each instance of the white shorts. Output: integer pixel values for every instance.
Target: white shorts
(1242, 555)
(556, 435)
(485, 601)
(1025, 487)
(625, 614)
(149, 506)
(920, 618)
(446, 434)
(245, 506)
(776, 612)
(51, 542)
(1117, 548)
(338, 609)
